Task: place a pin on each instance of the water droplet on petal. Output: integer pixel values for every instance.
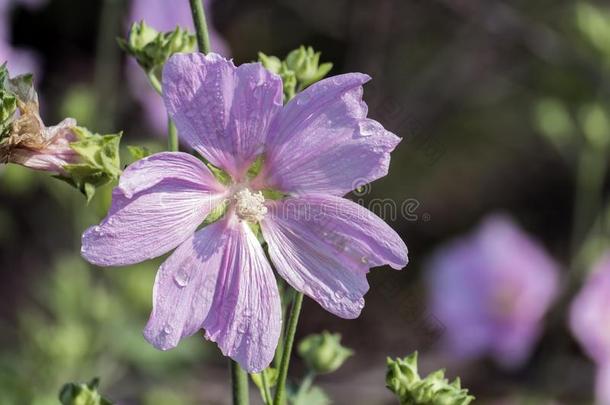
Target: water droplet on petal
(181, 278)
(167, 329)
(369, 127)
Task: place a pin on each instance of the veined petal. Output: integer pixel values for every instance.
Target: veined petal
(245, 317)
(185, 286)
(324, 246)
(158, 204)
(153, 169)
(221, 110)
(322, 142)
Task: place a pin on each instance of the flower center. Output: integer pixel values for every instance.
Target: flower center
(249, 206)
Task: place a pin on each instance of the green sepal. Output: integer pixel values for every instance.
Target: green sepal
(271, 194)
(256, 167)
(305, 63)
(100, 161)
(217, 213)
(323, 353)
(270, 62)
(271, 374)
(220, 175)
(402, 378)
(82, 394)
(138, 152)
(152, 48)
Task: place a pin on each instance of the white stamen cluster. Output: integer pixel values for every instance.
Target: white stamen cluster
(249, 206)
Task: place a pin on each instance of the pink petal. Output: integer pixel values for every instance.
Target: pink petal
(245, 318)
(185, 285)
(322, 142)
(324, 246)
(222, 111)
(157, 205)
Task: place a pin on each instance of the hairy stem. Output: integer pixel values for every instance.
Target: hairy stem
(280, 393)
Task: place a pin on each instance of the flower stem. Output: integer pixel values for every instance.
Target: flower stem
(266, 390)
(239, 384)
(172, 136)
(172, 133)
(201, 27)
(295, 311)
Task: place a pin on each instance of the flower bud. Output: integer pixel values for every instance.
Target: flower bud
(82, 394)
(306, 65)
(152, 48)
(323, 352)
(402, 378)
(72, 153)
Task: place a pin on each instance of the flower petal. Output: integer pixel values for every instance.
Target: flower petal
(324, 246)
(221, 110)
(245, 318)
(159, 203)
(322, 142)
(185, 285)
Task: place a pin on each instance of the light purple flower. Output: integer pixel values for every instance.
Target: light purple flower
(491, 290)
(163, 15)
(590, 323)
(315, 149)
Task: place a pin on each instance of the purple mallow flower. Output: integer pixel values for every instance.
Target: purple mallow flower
(491, 290)
(163, 15)
(314, 150)
(590, 323)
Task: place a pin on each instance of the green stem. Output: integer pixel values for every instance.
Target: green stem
(239, 384)
(305, 386)
(172, 136)
(154, 82)
(266, 390)
(201, 27)
(295, 311)
(172, 133)
(588, 201)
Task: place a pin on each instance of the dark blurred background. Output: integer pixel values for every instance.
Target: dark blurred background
(464, 83)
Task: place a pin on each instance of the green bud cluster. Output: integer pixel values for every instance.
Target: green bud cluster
(323, 352)
(402, 378)
(99, 161)
(82, 394)
(152, 48)
(300, 69)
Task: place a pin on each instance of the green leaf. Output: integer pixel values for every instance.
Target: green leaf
(216, 213)
(313, 396)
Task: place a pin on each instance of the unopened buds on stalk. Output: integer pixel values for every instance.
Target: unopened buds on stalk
(403, 379)
(152, 48)
(323, 352)
(82, 394)
(300, 69)
(71, 153)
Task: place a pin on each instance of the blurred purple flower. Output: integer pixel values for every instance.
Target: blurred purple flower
(491, 290)
(218, 278)
(590, 323)
(19, 61)
(163, 15)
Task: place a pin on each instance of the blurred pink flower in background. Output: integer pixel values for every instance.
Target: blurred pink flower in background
(163, 15)
(590, 323)
(491, 290)
(19, 60)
